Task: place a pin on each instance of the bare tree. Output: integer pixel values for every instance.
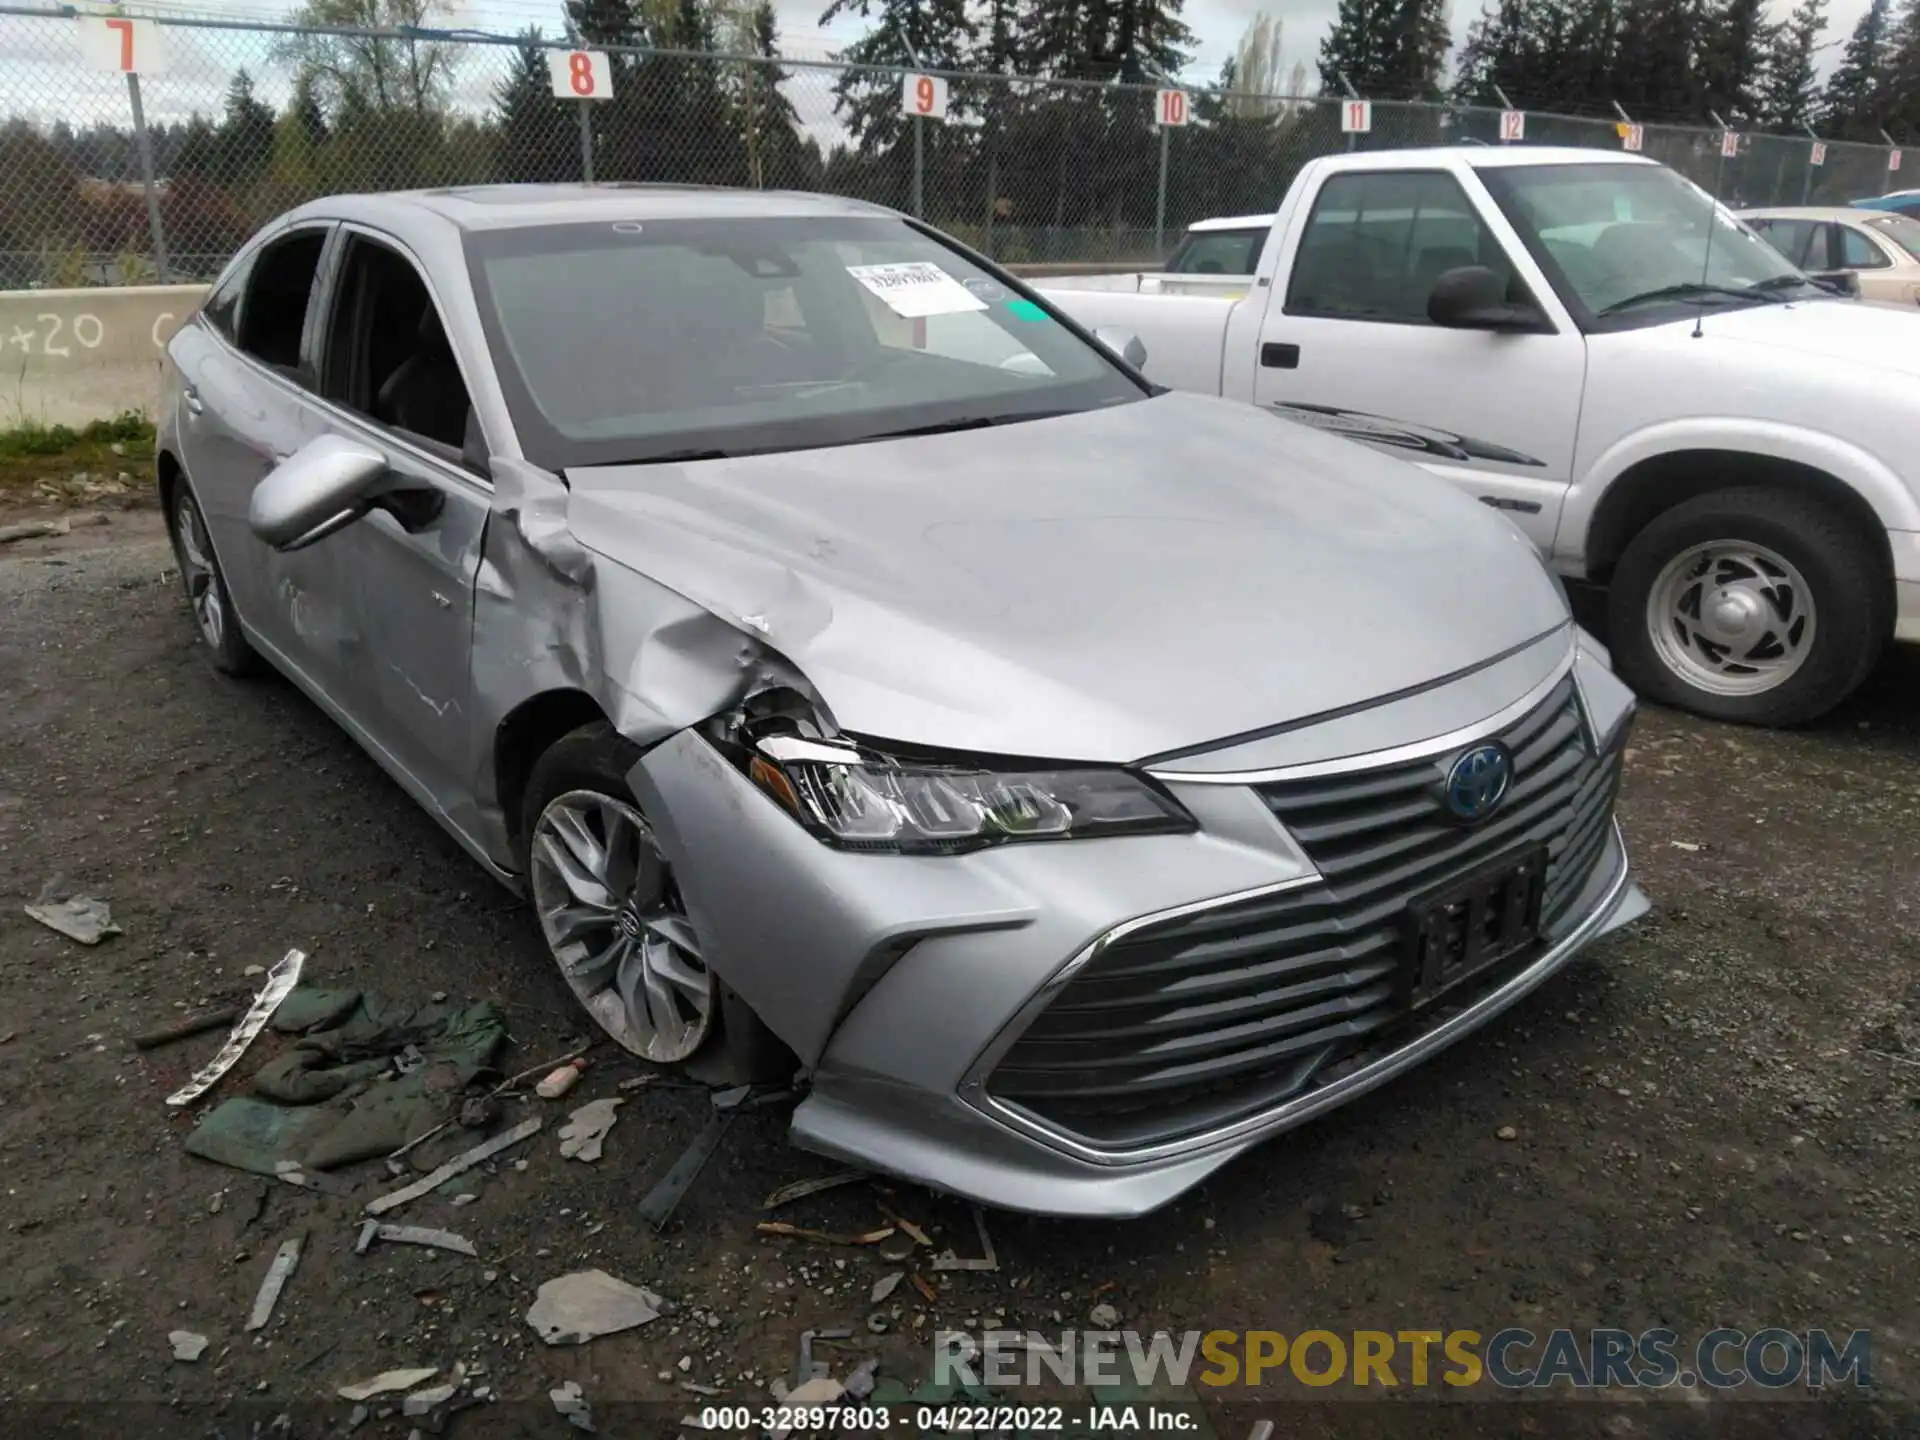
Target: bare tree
(1256, 69)
(359, 56)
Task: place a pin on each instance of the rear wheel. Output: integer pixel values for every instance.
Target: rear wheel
(1751, 605)
(206, 587)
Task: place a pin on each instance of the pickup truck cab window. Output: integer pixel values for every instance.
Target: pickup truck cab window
(1218, 252)
(1378, 240)
(1626, 245)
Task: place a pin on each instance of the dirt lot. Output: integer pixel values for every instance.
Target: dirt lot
(1714, 1118)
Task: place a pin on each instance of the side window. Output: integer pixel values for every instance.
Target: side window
(386, 354)
(1857, 252)
(1377, 241)
(278, 289)
(1218, 252)
(221, 308)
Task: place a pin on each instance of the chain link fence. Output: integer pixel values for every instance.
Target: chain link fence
(239, 122)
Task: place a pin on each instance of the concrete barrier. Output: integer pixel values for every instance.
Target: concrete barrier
(71, 356)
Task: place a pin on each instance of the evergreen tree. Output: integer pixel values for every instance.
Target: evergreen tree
(1733, 57)
(1653, 70)
(1394, 49)
(941, 34)
(1854, 104)
(1902, 99)
(1790, 91)
(536, 140)
(244, 144)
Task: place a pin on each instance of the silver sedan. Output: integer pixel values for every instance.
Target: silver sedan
(868, 676)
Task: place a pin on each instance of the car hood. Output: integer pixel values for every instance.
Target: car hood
(1108, 586)
(1847, 331)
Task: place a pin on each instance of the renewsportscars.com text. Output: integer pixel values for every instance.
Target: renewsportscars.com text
(1726, 1359)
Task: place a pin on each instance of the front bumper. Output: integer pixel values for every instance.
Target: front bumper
(902, 981)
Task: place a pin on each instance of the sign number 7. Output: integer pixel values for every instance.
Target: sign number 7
(125, 27)
(122, 44)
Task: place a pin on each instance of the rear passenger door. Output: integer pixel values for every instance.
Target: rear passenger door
(244, 408)
(1346, 344)
(389, 378)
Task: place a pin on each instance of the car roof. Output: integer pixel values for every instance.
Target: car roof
(1231, 222)
(497, 207)
(1809, 212)
(1490, 157)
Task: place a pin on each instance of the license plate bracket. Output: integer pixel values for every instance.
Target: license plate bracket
(1473, 924)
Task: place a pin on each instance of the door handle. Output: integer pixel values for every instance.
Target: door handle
(195, 404)
(1277, 356)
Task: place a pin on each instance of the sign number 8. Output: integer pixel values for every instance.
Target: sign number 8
(580, 72)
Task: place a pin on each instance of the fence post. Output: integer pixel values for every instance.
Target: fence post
(144, 146)
(586, 140)
(1160, 202)
(919, 166)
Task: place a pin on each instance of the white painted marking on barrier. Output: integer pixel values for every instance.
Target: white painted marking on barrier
(99, 331)
(53, 324)
(159, 341)
(22, 338)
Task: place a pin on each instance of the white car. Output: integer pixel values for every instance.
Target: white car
(1660, 401)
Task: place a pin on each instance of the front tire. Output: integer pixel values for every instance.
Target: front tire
(1750, 605)
(207, 595)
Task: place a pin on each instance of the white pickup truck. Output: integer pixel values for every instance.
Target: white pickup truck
(1658, 399)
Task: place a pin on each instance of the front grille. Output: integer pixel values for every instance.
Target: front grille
(1189, 1024)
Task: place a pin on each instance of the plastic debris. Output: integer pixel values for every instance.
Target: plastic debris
(821, 1390)
(926, 1290)
(822, 1237)
(278, 1274)
(659, 1203)
(1103, 1316)
(186, 1027)
(570, 1403)
(948, 1260)
(800, 1189)
(387, 1382)
(859, 1384)
(423, 1402)
(187, 1345)
(78, 917)
(886, 1285)
(525, 1130)
(280, 980)
(586, 1129)
(573, 1309)
(412, 1235)
(561, 1080)
(639, 1082)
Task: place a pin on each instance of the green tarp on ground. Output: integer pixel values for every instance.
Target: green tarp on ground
(335, 1097)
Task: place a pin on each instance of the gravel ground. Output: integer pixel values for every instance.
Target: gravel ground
(1712, 1118)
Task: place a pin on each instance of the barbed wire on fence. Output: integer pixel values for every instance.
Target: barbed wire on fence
(246, 120)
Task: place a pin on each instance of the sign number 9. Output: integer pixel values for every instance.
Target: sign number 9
(924, 95)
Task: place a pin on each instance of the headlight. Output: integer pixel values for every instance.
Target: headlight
(863, 801)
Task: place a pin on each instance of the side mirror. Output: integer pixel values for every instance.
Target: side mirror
(323, 486)
(1472, 297)
(1124, 343)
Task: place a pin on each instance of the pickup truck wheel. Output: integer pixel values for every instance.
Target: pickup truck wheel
(1750, 605)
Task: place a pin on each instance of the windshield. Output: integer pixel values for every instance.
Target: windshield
(1610, 234)
(1903, 230)
(1218, 252)
(679, 339)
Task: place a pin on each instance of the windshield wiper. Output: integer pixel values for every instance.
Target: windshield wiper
(1777, 283)
(971, 422)
(674, 457)
(1691, 290)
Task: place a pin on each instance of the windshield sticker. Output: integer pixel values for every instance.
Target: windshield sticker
(914, 288)
(1025, 310)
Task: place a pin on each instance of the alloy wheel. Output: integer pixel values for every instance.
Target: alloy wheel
(615, 924)
(1731, 617)
(197, 570)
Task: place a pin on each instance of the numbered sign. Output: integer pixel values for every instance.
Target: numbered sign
(924, 95)
(580, 74)
(1631, 136)
(1513, 126)
(114, 42)
(1356, 117)
(1893, 160)
(1730, 144)
(1170, 107)
(1818, 155)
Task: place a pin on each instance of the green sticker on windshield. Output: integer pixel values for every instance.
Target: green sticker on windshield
(1026, 310)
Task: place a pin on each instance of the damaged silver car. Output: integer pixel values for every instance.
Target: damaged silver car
(867, 674)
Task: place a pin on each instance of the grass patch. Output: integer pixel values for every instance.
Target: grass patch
(61, 465)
